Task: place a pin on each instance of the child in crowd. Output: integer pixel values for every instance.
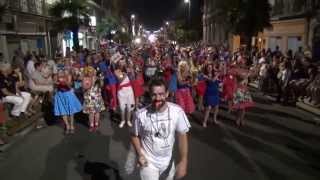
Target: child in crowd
(242, 99)
(93, 101)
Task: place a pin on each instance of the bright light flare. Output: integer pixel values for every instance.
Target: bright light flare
(137, 40)
(152, 38)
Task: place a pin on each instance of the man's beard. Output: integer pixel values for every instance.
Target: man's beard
(158, 104)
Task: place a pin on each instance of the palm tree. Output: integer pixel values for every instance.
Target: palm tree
(108, 24)
(70, 14)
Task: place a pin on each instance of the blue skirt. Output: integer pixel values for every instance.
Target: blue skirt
(66, 103)
(173, 84)
(210, 100)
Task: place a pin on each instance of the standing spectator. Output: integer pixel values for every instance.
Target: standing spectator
(153, 136)
(284, 77)
(299, 54)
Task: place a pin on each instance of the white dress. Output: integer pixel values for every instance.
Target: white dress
(126, 95)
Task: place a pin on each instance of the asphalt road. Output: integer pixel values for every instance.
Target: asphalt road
(276, 143)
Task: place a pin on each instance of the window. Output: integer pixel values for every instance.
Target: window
(39, 6)
(274, 42)
(294, 43)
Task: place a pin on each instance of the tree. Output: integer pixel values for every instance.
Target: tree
(179, 32)
(246, 17)
(107, 25)
(70, 14)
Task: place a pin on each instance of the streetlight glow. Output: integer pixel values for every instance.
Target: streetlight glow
(133, 16)
(137, 40)
(186, 1)
(167, 23)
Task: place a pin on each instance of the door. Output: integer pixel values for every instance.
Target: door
(316, 44)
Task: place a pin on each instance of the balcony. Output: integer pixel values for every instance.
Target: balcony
(28, 6)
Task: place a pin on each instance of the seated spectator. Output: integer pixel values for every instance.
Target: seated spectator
(22, 86)
(10, 93)
(313, 91)
(39, 83)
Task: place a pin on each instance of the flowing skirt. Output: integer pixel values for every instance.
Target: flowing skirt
(66, 103)
(137, 86)
(184, 99)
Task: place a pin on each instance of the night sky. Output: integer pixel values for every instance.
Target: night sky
(153, 13)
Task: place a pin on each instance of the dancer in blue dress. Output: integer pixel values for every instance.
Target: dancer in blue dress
(66, 103)
(211, 96)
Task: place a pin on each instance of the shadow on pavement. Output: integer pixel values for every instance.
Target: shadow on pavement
(85, 154)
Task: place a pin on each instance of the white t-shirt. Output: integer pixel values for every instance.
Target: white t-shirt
(157, 132)
(30, 68)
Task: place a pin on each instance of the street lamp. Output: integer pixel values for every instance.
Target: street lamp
(133, 24)
(167, 23)
(189, 8)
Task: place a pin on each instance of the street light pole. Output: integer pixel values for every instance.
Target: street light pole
(189, 10)
(133, 24)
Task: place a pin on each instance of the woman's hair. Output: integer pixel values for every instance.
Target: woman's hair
(206, 71)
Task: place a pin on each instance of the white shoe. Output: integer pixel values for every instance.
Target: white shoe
(129, 123)
(121, 124)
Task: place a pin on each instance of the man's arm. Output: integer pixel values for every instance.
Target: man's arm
(6, 92)
(183, 152)
(142, 161)
(136, 144)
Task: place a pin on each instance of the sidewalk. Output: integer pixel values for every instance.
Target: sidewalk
(16, 129)
(302, 105)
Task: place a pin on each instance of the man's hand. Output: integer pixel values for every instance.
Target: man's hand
(181, 170)
(142, 161)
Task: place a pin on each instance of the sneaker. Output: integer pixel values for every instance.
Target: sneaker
(129, 123)
(121, 124)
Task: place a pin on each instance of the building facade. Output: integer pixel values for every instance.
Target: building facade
(294, 25)
(215, 29)
(25, 25)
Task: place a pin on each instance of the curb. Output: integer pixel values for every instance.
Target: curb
(308, 108)
(18, 136)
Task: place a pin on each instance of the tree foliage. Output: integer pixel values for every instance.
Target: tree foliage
(70, 15)
(108, 24)
(245, 17)
(179, 32)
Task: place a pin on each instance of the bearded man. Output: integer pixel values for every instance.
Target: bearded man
(153, 135)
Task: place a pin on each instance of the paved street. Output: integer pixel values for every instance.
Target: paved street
(276, 143)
